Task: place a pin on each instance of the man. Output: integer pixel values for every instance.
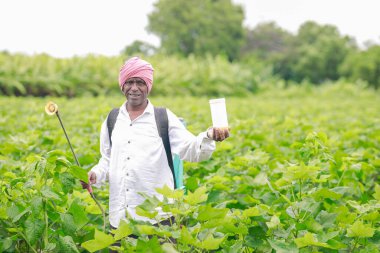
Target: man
(137, 161)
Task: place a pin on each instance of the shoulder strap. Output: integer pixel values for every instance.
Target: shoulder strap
(162, 122)
(111, 120)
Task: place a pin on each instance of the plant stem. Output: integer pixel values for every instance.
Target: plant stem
(26, 240)
(46, 237)
(353, 248)
(300, 182)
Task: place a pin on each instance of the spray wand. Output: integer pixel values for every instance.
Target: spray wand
(51, 109)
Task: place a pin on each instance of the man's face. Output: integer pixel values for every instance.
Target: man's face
(136, 91)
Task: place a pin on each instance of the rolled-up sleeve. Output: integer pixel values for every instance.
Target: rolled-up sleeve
(102, 168)
(188, 146)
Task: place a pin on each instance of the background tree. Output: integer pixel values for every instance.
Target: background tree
(364, 65)
(198, 27)
(139, 47)
(266, 40)
(315, 55)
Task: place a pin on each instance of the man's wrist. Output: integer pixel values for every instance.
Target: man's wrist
(210, 133)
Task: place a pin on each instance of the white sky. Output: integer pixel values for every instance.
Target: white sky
(63, 28)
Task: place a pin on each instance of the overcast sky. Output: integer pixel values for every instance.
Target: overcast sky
(63, 28)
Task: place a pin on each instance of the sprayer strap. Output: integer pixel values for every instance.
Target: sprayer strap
(111, 120)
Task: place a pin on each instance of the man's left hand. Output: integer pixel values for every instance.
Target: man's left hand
(218, 133)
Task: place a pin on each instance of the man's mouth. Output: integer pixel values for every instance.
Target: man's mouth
(134, 95)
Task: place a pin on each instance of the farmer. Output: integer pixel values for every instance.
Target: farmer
(137, 161)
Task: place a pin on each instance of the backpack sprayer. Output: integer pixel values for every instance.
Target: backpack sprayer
(51, 109)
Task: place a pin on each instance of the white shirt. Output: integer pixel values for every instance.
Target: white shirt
(137, 161)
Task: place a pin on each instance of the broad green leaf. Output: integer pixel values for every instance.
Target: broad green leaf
(311, 225)
(301, 172)
(68, 224)
(100, 241)
(260, 156)
(79, 214)
(68, 182)
(79, 173)
(198, 196)
(169, 193)
(149, 214)
(283, 247)
(326, 219)
(169, 248)
(324, 193)
(261, 179)
(49, 194)
(151, 246)
(122, 231)
(372, 216)
(309, 240)
(36, 205)
(150, 202)
(207, 213)
(358, 229)
(13, 211)
(5, 244)
(235, 248)
(66, 244)
(334, 244)
(210, 243)
(93, 208)
(250, 212)
(186, 236)
(146, 229)
(50, 247)
(274, 222)
(323, 237)
(218, 179)
(376, 195)
(18, 216)
(3, 212)
(34, 229)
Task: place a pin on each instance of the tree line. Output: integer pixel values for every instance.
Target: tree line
(317, 53)
(205, 50)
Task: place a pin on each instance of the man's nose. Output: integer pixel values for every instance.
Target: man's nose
(134, 86)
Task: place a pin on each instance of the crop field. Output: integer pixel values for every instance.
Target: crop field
(300, 173)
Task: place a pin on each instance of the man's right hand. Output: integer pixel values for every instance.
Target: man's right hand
(92, 177)
(91, 180)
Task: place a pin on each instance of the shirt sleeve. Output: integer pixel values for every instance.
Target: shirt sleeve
(188, 146)
(102, 168)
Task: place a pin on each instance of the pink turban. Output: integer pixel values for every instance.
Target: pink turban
(135, 67)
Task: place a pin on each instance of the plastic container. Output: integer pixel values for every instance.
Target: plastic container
(218, 112)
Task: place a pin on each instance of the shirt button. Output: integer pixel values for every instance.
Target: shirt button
(127, 190)
(127, 205)
(129, 142)
(130, 124)
(128, 158)
(127, 174)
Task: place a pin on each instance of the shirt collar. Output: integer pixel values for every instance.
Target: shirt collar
(148, 109)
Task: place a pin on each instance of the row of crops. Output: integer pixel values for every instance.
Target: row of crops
(43, 75)
(300, 173)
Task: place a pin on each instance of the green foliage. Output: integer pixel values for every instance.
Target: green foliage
(363, 65)
(198, 27)
(315, 55)
(266, 40)
(299, 173)
(21, 75)
(139, 47)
